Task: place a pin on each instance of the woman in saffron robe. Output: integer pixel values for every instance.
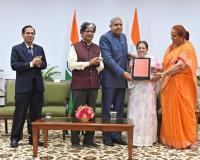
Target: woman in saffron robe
(179, 92)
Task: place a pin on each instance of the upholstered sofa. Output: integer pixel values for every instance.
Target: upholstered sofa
(55, 101)
(7, 111)
(99, 104)
(55, 97)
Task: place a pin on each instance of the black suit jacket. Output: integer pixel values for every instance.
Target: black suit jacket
(20, 62)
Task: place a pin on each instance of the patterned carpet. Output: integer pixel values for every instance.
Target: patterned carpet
(62, 150)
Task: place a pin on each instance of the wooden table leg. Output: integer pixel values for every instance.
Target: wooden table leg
(45, 137)
(35, 140)
(130, 142)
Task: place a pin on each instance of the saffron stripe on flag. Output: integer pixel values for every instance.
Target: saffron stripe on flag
(135, 33)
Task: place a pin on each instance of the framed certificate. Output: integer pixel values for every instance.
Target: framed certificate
(141, 68)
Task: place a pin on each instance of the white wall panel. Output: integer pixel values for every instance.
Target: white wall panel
(52, 20)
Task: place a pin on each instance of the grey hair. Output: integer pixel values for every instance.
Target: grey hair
(87, 24)
(114, 19)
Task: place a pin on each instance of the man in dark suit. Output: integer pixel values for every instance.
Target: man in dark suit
(114, 50)
(27, 59)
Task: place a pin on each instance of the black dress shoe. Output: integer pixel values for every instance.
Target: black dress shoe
(90, 145)
(108, 143)
(39, 143)
(76, 145)
(119, 141)
(14, 143)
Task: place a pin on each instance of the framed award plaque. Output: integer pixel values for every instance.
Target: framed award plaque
(141, 68)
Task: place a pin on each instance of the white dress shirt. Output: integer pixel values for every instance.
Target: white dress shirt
(73, 64)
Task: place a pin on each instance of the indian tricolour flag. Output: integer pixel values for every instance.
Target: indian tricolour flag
(135, 32)
(68, 75)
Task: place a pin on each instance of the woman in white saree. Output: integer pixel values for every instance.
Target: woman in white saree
(142, 103)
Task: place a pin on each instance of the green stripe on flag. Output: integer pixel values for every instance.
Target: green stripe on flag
(70, 103)
(67, 75)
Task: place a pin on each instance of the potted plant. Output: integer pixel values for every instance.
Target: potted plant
(49, 73)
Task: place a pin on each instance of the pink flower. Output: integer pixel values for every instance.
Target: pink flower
(92, 115)
(84, 112)
(84, 116)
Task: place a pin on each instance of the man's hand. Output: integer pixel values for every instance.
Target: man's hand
(127, 76)
(95, 61)
(37, 61)
(132, 55)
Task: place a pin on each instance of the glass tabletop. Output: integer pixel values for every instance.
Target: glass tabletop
(94, 120)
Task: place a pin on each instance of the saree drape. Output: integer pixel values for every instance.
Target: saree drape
(179, 98)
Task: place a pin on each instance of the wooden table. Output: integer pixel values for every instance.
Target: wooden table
(97, 124)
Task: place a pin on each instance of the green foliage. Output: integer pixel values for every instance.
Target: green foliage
(49, 73)
(198, 77)
(198, 80)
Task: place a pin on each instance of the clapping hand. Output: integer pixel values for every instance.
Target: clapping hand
(95, 61)
(37, 61)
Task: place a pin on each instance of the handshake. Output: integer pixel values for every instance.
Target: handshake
(95, 61)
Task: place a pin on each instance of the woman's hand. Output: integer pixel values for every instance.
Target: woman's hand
(157, 76)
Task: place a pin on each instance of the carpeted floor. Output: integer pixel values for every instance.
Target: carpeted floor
(62, 150)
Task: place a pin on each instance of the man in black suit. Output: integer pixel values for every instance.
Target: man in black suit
(27, 59)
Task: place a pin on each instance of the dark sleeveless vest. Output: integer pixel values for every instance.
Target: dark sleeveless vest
(87, 78)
